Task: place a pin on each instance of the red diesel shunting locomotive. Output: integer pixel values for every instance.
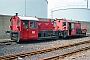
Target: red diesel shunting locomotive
(27, 28)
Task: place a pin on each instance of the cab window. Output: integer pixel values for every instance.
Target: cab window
(72, 25)
(54, 24)
(64, 24)
(33, 24)
(36, 24)
(25, 24)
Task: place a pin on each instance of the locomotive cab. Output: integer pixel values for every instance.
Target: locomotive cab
(74, 28)
(29, 29)
(62, 26)
(23, 28)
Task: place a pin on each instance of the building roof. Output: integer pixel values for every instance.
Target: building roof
(28, 18)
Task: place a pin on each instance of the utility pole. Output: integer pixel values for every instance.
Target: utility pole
(87, 3)
(25, 7)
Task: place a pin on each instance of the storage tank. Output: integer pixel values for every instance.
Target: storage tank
(81, 14)
(24, 7)
(69, 9)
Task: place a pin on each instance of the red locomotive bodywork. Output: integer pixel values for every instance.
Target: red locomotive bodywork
(45, 25)
(68, 28)
(13, 24)
(61, 24)
(25, 28)
(77, 25)
(27, 32)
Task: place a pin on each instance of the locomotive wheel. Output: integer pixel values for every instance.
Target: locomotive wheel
(64, 34)
(57, 34)
(84, 34)
(17, 37)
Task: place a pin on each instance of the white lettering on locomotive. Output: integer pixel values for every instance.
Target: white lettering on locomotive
(33, 32)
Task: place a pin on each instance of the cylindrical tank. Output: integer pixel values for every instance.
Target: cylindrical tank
(24, 7)
(81, 14)
(69, 9)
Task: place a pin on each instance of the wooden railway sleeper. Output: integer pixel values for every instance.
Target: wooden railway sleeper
(44, 50)
(55, 58)
(2, 59)
(13, 57)
(41, 51)
(67, 53)
(22, 55)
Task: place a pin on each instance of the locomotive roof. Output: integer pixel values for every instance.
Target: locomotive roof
(28, 18)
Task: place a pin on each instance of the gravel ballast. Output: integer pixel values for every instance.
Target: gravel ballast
(24, 47)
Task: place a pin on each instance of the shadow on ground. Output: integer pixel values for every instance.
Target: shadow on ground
(40, 40)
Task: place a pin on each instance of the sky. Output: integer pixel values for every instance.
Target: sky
(34, 7)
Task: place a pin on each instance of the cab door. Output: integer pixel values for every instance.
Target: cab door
(25, 28)
(33, 30)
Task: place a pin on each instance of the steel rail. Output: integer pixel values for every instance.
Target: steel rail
(58, 56)
(6, 42)
(23, 54)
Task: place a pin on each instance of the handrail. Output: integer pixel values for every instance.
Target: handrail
(70, 6)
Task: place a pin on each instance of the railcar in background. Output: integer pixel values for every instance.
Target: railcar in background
(69, 28)
(28, 28)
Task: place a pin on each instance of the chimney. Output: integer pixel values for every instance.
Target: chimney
(16, 14)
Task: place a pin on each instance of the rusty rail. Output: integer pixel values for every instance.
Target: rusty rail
(6, 42)
(22, 54)
(56, 57)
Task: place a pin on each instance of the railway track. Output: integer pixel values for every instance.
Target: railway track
(59, 56)
(23, 54)
(9, 42)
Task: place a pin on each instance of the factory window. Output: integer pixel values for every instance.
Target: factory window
(33, 24)
(36, 24)
(25, 24)
(64, 24)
